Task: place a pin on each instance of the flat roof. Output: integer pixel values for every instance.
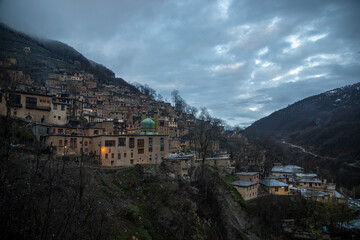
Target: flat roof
(306, 175)
(240, 183)
(286, 168)
(338, 195)
(311, 180)
(247, 173)
(176, 158)
(308, 193)
(273, 183)
(215, 158)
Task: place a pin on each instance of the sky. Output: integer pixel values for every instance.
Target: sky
(242, 60)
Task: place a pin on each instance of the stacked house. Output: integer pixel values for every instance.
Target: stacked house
(247, 184)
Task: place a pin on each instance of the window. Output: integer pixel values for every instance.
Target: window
(286, 189)
(124, 155)
(276, 189)
(15, 99)
(140, 145)
(73, 142)
(62, 107)
(54, 106)
(31, 102)
(150, 144)
(131, 161)
(59, 117)
(60, 142)
(112, 155)
(109, 143)
(60, 130)
(66, 142)
(86, 143)
(119, 155)
(131, 142)
(106, 156)
(96, 132)
(162, 144)
(122, 142)
(132, 154)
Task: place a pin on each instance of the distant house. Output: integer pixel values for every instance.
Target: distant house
(319, 196)
(287, 171)
(316, 184)
(339, 197)
(247, 184)
(248, 176)
(299, 176)
(247, 189)
(27, 49)
(312, 183)
(275, 187)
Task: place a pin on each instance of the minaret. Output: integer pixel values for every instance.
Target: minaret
(156, 120)
(143, 116)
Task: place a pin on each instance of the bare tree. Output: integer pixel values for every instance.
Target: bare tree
(207, 129)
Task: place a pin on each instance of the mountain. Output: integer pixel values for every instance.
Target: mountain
(327, 124)
(47, 56)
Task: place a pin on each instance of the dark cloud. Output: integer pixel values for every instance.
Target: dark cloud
(240, 59)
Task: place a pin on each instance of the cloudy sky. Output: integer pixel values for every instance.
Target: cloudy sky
(240, 59)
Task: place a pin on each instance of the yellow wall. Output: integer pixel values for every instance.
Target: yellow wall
(279, 191)
(248, 192)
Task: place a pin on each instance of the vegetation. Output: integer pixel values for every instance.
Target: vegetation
(327, 123)
(149, 92)
(308, 216)
(42, 198)
(48, 56)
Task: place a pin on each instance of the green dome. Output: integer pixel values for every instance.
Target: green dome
(147, 125)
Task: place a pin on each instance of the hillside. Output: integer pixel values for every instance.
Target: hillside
(48, 56)
(49, 198)
(327, 124)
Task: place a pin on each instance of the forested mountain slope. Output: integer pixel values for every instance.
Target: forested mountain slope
(328, 123)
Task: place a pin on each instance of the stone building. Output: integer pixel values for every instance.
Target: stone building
(247, 189)
(275, 187)
(112, 150)
(247, 184)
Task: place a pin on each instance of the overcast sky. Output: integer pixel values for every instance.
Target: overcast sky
(240, 59)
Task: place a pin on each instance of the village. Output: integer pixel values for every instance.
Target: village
(120, 127)
(116, 126)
